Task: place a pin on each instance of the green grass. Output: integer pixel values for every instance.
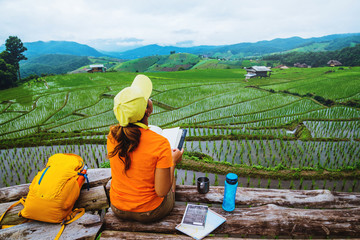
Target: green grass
(316, 81)
(236, 124)
(207, 97)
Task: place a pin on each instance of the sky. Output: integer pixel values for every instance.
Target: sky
(115, 25)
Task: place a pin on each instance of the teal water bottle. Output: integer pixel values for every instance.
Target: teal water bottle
(231, 184)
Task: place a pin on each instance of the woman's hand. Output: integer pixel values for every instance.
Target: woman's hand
(177, 155)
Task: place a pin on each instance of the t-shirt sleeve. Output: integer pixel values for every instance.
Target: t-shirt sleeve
(165, 155)
(110, 143)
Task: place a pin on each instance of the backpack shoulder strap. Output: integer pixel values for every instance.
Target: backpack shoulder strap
(22, 200)
(73, 216)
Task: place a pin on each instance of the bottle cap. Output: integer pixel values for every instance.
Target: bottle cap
(231, 178)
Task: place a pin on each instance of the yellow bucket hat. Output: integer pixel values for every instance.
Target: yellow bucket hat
(130, 103)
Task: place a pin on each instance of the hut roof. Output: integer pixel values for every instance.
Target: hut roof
(97, 66)
(260, 69)
(282, 67)
(334, 63)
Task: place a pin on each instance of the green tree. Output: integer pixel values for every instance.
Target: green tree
(15, 47)
(7, 73)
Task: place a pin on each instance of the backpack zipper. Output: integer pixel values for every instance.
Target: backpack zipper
(43, 175)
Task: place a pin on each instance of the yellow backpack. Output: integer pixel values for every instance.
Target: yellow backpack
(54, 191)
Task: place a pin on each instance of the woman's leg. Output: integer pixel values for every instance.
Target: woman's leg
(151, 216)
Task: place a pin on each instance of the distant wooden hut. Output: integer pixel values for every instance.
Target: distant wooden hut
(334, 63)
(301, 65)
(282, 67)
(257, 71)
(97, 68)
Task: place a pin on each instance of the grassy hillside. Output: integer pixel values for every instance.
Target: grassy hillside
(137, 65)
(217, 64)
(173, 62)
(178, 62)
(335, 44)
(265, 128)
(336, 85)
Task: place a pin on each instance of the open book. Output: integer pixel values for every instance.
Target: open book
(175, 136)
(213, 220)
(195, 215)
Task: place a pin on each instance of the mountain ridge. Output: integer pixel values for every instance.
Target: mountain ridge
(235, 51)
(238, 50)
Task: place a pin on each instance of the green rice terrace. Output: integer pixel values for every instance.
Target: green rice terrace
(298, 129)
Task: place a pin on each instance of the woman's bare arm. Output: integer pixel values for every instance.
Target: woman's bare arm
(164, 177)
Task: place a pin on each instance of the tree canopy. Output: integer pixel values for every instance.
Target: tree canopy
(9, 62)
(15, 47)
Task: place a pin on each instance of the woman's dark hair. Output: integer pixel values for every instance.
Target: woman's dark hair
(128, 139)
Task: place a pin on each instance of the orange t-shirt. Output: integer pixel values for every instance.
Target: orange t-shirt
(135, 191)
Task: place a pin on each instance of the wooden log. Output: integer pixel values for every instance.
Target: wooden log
(347, 200)
(86, 227)
(281, 197)
(269, 220)
(97, 177)
(262, 196)
(107, 187)
(94, 199)
(115, 235)
(12, 193)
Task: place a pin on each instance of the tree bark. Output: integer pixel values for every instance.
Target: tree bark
(86, 227)
(115, 235)
(269, 220)
(261, 196)
(94, 199)
(98, 176)
(19, 74)
(280, 197)
(12, 193)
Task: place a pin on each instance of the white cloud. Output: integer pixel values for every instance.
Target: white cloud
(167, 22)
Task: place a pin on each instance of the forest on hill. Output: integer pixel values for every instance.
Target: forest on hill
(349, 56)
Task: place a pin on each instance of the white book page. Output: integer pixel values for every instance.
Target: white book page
(156, 129)
(173, 135)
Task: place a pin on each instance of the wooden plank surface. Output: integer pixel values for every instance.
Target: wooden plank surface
(86, 227)
(268, 220)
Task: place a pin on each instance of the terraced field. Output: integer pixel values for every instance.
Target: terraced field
(269, 131)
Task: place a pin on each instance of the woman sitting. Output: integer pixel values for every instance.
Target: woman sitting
(142, 162)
